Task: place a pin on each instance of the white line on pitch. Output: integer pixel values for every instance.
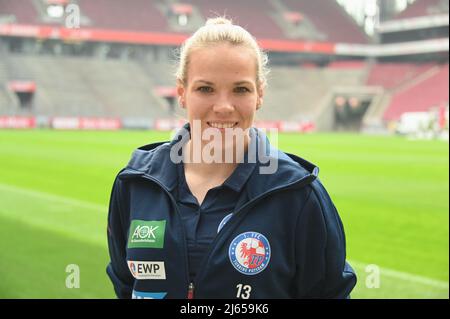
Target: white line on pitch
(53, 197)
(404, 275)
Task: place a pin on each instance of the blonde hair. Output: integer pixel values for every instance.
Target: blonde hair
(221, 30)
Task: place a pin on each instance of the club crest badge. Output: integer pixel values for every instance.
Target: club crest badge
(249, 253)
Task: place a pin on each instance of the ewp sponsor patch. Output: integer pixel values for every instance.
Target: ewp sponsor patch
(146, 233)
(147, 270)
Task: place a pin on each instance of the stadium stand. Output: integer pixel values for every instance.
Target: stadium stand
(103, 79)
(152, 15)
(23, 11)
(161, 72)
(136, 15)
(70, 86)
(251, 14)
(295, 25)
(391, 75)
(7, 105)
(298, 93)
(4, 101)
(421, 96)
(422, 8)
(338, 26)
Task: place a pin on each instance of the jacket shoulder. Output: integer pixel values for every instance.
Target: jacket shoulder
(143, 157)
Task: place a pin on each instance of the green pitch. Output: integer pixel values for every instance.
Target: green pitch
(392, 195)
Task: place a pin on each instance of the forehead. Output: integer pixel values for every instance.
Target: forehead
(222, 62)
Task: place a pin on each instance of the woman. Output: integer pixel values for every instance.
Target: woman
(203, 215)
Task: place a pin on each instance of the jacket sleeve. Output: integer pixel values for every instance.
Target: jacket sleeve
(321, 268)
(117, 269)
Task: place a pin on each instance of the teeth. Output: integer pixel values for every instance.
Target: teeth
(222, 125)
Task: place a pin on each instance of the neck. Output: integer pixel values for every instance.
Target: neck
(222, 168)
(211, 170)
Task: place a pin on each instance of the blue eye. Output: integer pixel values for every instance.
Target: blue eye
(241, 89)
(205, 89)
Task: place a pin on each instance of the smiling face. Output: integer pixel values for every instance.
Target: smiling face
(221, 89)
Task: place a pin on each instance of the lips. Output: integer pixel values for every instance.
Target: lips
(222, 125)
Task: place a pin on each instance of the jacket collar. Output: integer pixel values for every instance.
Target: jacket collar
(154, 161)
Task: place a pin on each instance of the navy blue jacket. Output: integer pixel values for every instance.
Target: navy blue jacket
(284, 240)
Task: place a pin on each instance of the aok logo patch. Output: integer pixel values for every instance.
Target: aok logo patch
(147, 234)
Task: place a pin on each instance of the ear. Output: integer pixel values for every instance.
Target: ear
(181, 93)
(259, 100)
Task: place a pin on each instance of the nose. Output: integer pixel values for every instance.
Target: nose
(223, 104)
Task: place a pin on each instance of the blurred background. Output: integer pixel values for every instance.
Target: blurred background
(359, 87)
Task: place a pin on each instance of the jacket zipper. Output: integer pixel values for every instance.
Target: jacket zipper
(191, 291)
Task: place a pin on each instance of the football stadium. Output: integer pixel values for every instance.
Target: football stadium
(359, 88)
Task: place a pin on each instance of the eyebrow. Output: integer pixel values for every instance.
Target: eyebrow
(235, 83)
(203, 81)
(243, 82)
